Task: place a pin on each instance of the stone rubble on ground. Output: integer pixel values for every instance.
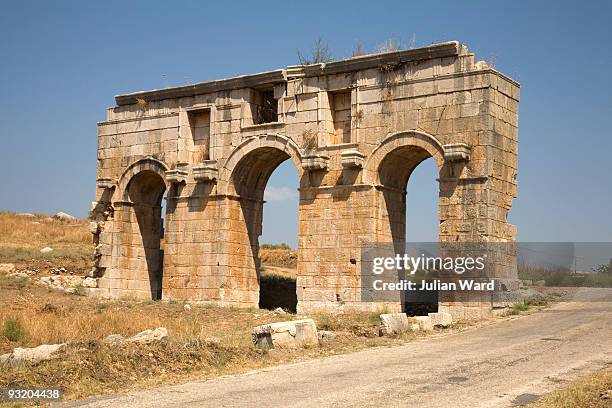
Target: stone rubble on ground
(441, 319)
(46, 250)
(7, 267)
(398, 323)
(212, 341)
(90, 283)
(32, 355)
(20, 274)
(290, 334)
(425, 323)
(326, 336)
(149, 336)
(187, 307)
(61, 282)
(58, 271)
(62, 216)
(144, 337)
(113, 339)
(393, 323)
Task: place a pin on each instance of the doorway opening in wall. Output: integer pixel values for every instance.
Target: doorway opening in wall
(422, 224)
(278, 249)
(146, 191)
(408, 177)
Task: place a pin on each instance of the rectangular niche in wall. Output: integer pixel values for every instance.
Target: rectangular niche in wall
(199, 124)
(264, 107)
(340, 107)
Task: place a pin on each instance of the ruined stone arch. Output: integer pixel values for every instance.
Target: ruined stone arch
(425, 146)
(262, 151)
(146, 164)
(350, 194)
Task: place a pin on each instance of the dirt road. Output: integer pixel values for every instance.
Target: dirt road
(503, 364)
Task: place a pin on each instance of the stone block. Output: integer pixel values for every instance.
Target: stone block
(425, 323)
(35, 354)
(290, 334)
(441, 319)
(393, 323)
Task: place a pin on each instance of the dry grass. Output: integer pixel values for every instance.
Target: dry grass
(88, 367)
(33, 315)
(21, 239)
(41, 231)
(592, 391)
(284, 258)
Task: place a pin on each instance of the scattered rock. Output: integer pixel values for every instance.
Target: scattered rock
(425, 323)
(62, 216)
(279, 310)
(149, 336)
(441, 319)
(187, 307)
(90, 283)
(605, 395)
(212, 341)
(291, 334)
(49, 308)
(21, 275)
(113, 339)
(326, 336)
(62, 282)
(46, 250)
(7, 268)
(35, 354)
(393, 323)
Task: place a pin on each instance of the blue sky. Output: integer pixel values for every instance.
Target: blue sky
(62, 62)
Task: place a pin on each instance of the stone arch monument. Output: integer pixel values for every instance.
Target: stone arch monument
(355, 130)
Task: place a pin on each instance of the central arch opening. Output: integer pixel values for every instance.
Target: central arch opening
(411, 193)
(273, 248)
(146, 190)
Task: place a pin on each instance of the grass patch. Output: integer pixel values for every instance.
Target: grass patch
(13, 330)
(27, 254)
(276, 246)
(602, 278)
(41, 231)
(593, 391)
(518, 308)
(80, 290)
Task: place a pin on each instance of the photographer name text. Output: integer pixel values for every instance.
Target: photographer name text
(462, 284)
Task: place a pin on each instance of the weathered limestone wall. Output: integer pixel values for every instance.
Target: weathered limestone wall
(355, 130)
